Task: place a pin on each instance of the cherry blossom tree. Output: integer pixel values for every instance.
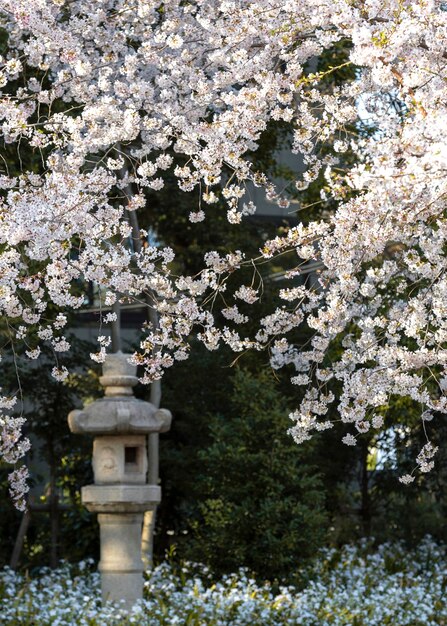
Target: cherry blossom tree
(109, 96)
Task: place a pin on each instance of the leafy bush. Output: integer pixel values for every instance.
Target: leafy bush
(261, 502)
(352, 586)
(248, 495)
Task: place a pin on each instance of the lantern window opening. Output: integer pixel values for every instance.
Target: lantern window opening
(131, 458)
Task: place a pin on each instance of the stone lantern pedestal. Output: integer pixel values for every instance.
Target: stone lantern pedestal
(120, 494)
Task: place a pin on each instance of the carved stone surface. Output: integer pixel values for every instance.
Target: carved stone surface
(119, 415)
(118, 375)
(120, 498)
(120, 565)
(120, 460)
(120, 494)
(119, 411)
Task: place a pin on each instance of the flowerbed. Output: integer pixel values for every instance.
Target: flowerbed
(349, 586)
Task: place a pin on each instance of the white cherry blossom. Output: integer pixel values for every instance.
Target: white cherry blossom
(111, 95)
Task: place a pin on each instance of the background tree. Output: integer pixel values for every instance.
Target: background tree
(260, 504)
(59, 526)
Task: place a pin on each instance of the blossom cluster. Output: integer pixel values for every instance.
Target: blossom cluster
(109, 96)
(354, 585)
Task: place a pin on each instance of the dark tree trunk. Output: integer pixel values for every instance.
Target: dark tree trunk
(365, 508)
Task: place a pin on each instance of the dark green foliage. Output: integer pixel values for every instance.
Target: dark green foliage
(192, 390)
(410, 512)
(258, 502)
(60, 462)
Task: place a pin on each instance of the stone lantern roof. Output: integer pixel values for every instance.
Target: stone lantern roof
(119, 412)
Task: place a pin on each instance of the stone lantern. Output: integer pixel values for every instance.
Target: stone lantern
(120, 494)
